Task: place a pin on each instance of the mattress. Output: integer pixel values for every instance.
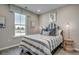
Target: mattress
(40, 44)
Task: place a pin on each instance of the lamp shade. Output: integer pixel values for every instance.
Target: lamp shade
(67, 25)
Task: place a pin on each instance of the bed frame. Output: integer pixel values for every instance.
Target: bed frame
(53, 51)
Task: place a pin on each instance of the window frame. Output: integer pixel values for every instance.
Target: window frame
(19, 25)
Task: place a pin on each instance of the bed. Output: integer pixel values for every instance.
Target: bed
(45, 43)
(40, 44)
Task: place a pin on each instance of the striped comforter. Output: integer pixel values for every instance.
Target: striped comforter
(40, 44)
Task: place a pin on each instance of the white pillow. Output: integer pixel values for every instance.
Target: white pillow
(59, 32)
(45, 32)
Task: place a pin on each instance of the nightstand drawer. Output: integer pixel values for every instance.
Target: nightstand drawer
(68, 45)
(69, 49)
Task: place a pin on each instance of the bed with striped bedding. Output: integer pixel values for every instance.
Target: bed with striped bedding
(40, 44)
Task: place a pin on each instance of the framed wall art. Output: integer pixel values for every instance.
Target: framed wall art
(2, 22)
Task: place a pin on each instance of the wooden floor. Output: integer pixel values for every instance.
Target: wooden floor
(17, 50)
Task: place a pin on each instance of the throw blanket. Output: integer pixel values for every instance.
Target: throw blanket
(40, 44)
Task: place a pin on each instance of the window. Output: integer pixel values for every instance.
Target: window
(19, 24)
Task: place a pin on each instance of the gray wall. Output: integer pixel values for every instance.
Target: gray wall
(7, 34)
(66, 14)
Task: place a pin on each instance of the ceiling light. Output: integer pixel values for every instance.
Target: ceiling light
(38, 10)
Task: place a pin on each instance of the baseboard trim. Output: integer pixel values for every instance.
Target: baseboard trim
(9, 47)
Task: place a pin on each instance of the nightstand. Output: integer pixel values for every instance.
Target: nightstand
(68, 45)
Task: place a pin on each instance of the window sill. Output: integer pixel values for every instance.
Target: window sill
(19, 36)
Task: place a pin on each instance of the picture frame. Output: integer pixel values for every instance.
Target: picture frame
(53, 17)
(2, 21)
(33, 24)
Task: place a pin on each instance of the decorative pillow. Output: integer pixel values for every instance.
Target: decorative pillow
(58, 32)
(45, 33)
(52, 32)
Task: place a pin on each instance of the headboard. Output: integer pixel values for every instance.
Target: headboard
(55, 28)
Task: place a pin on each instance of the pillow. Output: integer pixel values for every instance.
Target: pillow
(58, 32)
(45, 33)
(52, 32)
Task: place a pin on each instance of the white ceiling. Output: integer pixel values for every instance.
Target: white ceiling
(42, 7)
